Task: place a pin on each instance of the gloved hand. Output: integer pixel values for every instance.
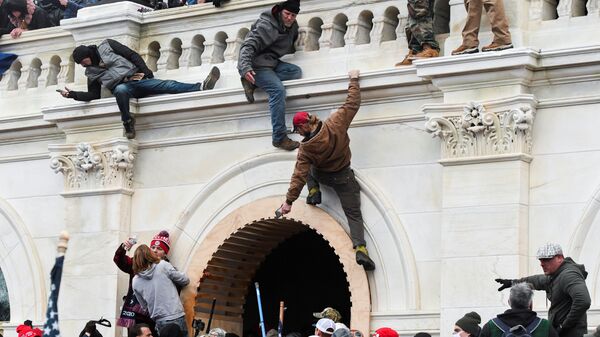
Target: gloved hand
(505, 283)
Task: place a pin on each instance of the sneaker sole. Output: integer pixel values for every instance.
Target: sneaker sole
(211, 79)
(497, 49)
(468, 51)
(248, 91)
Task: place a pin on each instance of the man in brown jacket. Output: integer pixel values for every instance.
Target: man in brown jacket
(324, 157)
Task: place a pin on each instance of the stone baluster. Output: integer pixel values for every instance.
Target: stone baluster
(43, 78)
(184, 59)
(218, 52)
(326, 36)
(377, 31)
(300, 42)
(535, 10)
(207, 55)
(311, 41)
(233, 48)
(163, 57)
(24, 78)
(62, 78)
(401, 33)
(593, 7)
(564, 8)
(352, 32)
(173, 56)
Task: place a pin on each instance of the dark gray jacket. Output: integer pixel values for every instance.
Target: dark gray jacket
(568, 295)
(267, 41)
(115, 68)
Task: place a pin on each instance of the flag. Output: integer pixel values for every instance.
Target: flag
(51, 326)
(5, 61)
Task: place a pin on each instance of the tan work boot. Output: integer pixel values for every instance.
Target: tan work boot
(496, 47)
(427, 52)
(462, 49)
(286, 144)
(407, 60)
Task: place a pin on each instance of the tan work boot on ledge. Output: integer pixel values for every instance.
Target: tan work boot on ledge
(407, 60)
(426, 52)
(497, 47)
(286, 144)
(462, 49)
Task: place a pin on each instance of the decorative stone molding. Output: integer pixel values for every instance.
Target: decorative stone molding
(89, 169)
(478, 133)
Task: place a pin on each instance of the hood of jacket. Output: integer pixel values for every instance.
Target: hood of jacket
(514, 317)
(148, 273)
(568, 263)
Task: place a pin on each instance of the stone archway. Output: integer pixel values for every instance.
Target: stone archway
(248, 222)
(22, 268)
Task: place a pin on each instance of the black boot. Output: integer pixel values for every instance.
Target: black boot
(129, 128)
(362, 258)
(314, 196)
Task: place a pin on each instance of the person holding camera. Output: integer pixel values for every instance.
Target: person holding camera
(123, 71)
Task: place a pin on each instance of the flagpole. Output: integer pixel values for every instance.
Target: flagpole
(51, 328)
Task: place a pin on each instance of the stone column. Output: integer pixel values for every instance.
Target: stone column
(97, 188)
(486, 151)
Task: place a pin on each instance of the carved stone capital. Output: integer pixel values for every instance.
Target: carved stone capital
(91, 169)
(478, 133)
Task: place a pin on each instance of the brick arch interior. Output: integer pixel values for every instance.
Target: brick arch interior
(240, 242)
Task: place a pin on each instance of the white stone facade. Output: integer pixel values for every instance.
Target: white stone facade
(467, 163)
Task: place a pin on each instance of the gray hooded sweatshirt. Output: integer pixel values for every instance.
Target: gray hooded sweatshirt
(155, 289)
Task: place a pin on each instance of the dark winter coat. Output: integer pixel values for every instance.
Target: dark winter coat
(5, 25)
(328, 150)
(267, 41)
(514, 317)
(94, 83)
(569, 297)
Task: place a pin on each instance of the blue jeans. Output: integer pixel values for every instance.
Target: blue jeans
(269, 80)
(180, 322)
(142, 88)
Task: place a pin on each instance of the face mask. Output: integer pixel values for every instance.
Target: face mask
(456, 334)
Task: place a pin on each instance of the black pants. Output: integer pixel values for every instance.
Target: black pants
(347, 189)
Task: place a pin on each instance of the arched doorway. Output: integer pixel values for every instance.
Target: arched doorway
(241, 225)
(304, 272)
(291, 262)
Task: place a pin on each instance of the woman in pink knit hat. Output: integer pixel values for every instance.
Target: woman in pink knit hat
(132, 313)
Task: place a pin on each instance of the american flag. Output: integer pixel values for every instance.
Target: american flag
(51, 326)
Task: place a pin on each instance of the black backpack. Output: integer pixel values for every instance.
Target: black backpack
(517, 330)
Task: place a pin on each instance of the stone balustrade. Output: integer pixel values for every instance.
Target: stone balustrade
(183, 43)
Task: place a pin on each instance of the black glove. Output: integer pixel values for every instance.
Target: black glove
(504, 283)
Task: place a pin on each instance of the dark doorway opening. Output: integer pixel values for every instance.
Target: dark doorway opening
(305, 273)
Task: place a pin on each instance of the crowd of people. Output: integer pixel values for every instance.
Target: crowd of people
(17, 16)
(152, 306)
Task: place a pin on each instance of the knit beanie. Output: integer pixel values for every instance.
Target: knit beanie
(292, 6)
(162, 239)
(422, 334)
(81, 52)
(470, 323)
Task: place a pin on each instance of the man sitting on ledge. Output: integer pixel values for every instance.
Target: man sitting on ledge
(126, 75)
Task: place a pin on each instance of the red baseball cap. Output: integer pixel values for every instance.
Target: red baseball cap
(301, 117)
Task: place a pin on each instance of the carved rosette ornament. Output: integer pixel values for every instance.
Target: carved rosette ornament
(478, 133)
(101, 168)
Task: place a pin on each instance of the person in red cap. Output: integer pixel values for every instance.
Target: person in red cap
(386, 332)
(132, 313)
(324, 157)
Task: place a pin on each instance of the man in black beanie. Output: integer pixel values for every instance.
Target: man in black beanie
(468, 325)
(271, 37)
(124, 72)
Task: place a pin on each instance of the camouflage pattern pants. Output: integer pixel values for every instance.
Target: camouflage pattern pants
(419, 27)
